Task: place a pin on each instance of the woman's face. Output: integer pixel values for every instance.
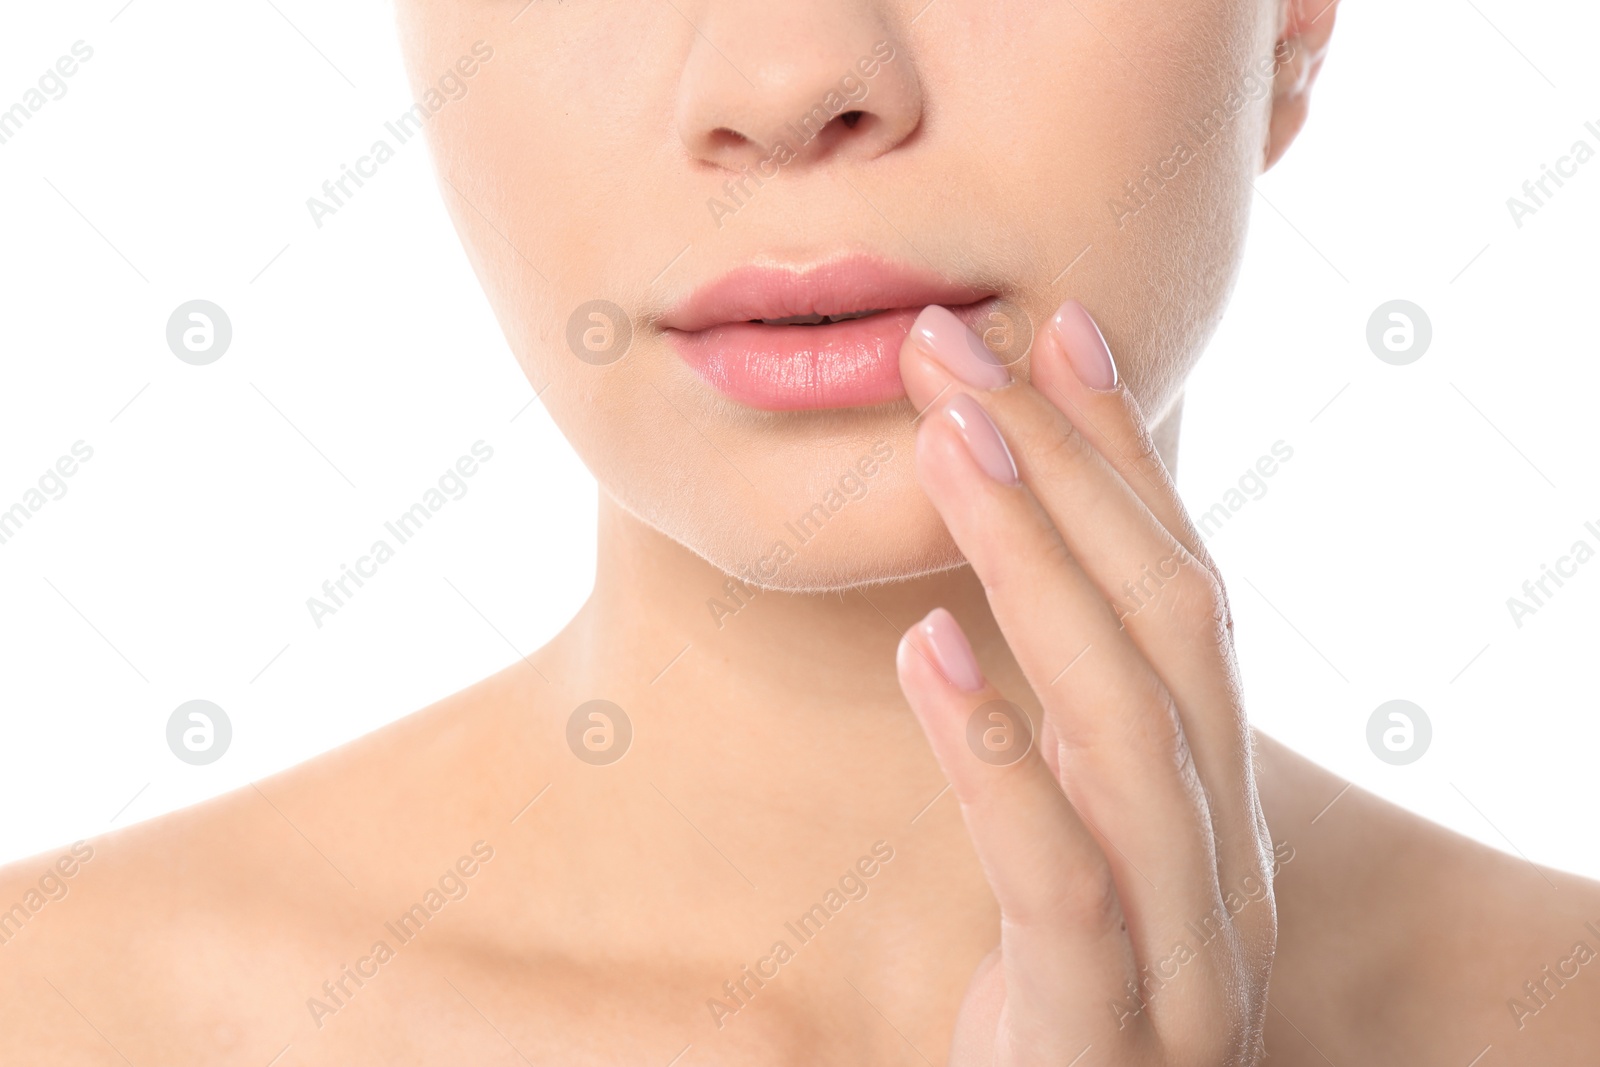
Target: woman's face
(635, 182)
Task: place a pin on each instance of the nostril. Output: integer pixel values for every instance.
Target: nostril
(723, 138)
(727, 146)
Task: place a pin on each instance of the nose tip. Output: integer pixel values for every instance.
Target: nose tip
(770, 94)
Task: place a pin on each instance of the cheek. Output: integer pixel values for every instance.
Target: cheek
(543, 162)
(1122, 176)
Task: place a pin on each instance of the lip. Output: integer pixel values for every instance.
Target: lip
(852, 363)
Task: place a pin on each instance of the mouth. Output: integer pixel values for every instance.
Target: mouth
(821, 337)
(819, 320)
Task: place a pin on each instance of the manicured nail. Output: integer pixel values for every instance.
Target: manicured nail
(952, 654)
(1086, 347)
(984, 442)
(958, 350)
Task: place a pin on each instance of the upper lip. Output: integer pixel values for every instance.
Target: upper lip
(836, 287)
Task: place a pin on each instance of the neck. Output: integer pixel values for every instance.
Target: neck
(668, 621)
(659, 611)
(773, 724)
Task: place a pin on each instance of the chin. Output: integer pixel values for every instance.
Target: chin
(831, 541)
(862, 563)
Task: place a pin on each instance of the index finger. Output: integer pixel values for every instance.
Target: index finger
(1109, 417)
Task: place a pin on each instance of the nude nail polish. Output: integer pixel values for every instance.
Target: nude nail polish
(1087, 351)
(958, 350)
(952, 654)
(984, 443)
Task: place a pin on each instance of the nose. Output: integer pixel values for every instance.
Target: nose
(795, 83)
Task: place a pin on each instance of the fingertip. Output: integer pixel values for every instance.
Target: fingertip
(952, 652)
(924, 687)
(1088, 355)
(940, 678)
(905, 658)
(942, 454)
(957, 349)
(942, 649)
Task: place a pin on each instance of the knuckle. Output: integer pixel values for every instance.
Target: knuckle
(1093, 903)
(1180, 587)
(1082, 899)
(1152, 730)
(1009, 573)
(1201, 554)
(1223, 605)
(1160, 732)
(1060, 446)
(1147, 461)
(1200, 602)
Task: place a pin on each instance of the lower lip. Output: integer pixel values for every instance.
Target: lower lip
(849, 364)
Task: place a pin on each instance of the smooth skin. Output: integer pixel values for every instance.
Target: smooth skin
(1004, 929)
(810, 746)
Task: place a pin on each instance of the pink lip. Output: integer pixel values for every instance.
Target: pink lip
(854, 363)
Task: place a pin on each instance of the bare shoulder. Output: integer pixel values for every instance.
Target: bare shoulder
(1401, 941)
(200, 935)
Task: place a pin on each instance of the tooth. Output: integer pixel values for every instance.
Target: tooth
(819, 320)
(796, 320)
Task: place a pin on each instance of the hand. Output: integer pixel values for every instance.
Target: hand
(1126, 846)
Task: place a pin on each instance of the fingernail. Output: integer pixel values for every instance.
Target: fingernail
(951, 652)
(1086, 347)
(958, 350)
(983, 440)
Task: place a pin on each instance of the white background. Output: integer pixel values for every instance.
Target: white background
(365, 361)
